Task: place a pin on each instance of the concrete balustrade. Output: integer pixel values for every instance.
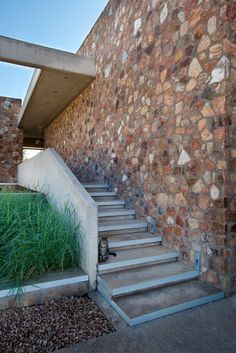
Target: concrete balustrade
(48, 174)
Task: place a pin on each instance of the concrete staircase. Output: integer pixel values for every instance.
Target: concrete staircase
(145, 280)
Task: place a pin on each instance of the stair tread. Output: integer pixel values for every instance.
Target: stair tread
(129, 222)
(148, 273)
(120, 225)
(110, 202)
(138, 253)
(132, 236)
(95, 186)
(157, 299)
(104, 212)
(102, 193)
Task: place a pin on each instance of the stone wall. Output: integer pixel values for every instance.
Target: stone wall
(229, 45)
(159, 121)
(11, 139)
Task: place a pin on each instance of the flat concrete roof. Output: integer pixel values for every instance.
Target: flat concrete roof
(59, 77)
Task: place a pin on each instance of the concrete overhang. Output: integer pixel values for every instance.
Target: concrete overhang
(59, 78)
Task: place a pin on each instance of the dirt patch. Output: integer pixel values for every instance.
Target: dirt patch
(51, 326)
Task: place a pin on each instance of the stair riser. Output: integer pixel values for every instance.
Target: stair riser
(139, 287)
(139, 265)
(97, 190)
(133, 246)
(104, 198)
(111, 206)
(117, 218)
(121, 231)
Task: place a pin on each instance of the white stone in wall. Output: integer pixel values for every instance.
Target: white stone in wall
(154, 3)
(181, 16)
(137, 25)
(150, 157)
(211, 25)
(6, 104)
(183, 158)
(119, 130)
(215, 192)
(124, 56)
(221, 70)
(170, 220)
(124, 178)
(193, 223)
(110, 11)
(164, 13)
(209, 251)
(107, 71)
(194, 68)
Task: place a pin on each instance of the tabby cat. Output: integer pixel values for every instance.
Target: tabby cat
(103, 250)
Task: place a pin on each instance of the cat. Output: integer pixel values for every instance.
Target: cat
(103, 250)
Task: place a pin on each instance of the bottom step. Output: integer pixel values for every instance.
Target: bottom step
(158, 302)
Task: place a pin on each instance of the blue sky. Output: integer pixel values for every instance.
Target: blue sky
(61, 24)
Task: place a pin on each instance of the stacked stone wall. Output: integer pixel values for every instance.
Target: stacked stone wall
(159, 121)
(11, 139)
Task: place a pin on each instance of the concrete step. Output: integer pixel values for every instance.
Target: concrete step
(111, 203)
(137, 257)
(121, 226)
(138, 279)
(154, 303)
(102, 194)
(140, 239)
(115, 214)
(93, 186)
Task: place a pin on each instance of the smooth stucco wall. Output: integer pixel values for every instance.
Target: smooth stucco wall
(48, 174)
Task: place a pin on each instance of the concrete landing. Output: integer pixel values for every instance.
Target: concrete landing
(206, 329)
(155, 303)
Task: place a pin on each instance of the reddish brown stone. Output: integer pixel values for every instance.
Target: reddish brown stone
(198, 32)
(169, 97)
(196, 144)
(195, 18)
(220, 133)
(229, 47)
(11, 139)
(219, 105)
(209, 165)
(167, 230)
(179, 221)
(178, 231)
(203, 201)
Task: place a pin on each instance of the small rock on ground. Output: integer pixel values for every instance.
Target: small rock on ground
(51, 326)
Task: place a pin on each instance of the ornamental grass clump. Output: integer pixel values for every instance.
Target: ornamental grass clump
(34, 239)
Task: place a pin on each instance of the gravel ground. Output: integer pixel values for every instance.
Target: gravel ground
(51, 326)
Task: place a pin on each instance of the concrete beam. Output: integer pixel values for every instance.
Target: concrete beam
(27, 54)
(49, 93)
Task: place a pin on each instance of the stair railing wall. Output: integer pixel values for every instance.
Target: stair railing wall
(48, 173)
